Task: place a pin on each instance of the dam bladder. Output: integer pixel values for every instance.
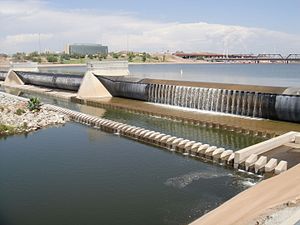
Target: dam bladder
(50, 80)
(274, 106)
(237, 101)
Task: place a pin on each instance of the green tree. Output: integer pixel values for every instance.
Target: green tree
(19, 56)
(52, 58)
(65, 57)
(144, 57)
(130, 56)
(35, 59)
(34, 54)
(115, 55)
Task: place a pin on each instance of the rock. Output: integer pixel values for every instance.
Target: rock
(292, 203)
(27, 120)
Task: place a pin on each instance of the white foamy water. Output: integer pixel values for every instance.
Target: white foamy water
(186, 179)
(200, 111)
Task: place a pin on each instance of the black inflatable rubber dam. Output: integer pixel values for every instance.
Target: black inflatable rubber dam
(2, 75)
(50, 80)
(245, 103)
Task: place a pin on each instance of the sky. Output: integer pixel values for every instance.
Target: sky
(228, 26)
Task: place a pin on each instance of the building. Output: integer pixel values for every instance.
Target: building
(86, 49)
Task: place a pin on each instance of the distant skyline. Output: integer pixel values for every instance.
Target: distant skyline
(153, 26)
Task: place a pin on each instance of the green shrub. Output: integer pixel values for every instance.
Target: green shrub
(52, 58)
(34, 104)
(19, 112)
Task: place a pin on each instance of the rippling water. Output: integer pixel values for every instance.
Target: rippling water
(78, 175)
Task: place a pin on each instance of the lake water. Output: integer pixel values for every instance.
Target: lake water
(284, 75)
(79, 175)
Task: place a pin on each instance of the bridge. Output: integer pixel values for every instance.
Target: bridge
(291, 58)
(266, 57)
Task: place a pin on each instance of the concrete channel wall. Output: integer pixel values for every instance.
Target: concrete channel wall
(172, 143)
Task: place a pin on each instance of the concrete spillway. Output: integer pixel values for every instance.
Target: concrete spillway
(269, 105)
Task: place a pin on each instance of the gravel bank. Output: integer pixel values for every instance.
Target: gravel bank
(287, 214)
(16, 118)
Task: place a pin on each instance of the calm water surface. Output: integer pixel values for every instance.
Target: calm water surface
(255, 74)
(78, 175)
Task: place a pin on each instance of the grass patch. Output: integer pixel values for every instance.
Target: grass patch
(19, 112)
(6, 130)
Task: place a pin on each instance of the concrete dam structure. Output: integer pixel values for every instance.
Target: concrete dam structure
(245, 103)
(269, 105)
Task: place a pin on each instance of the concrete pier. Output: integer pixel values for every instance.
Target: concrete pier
(260, 164)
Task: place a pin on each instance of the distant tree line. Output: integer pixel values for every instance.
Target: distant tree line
(69, 58)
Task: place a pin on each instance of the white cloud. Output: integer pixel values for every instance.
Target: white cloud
(25, 38)
(21, 23)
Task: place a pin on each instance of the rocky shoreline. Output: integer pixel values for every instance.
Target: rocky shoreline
(16, 118)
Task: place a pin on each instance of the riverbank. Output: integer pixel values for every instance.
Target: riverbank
(130, 63)
(179, 62)
(286, 214)
(185, 62)
(16, 118)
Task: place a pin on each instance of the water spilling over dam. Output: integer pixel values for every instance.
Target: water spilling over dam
(253, 104)
(275, 106)
(245, 103)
